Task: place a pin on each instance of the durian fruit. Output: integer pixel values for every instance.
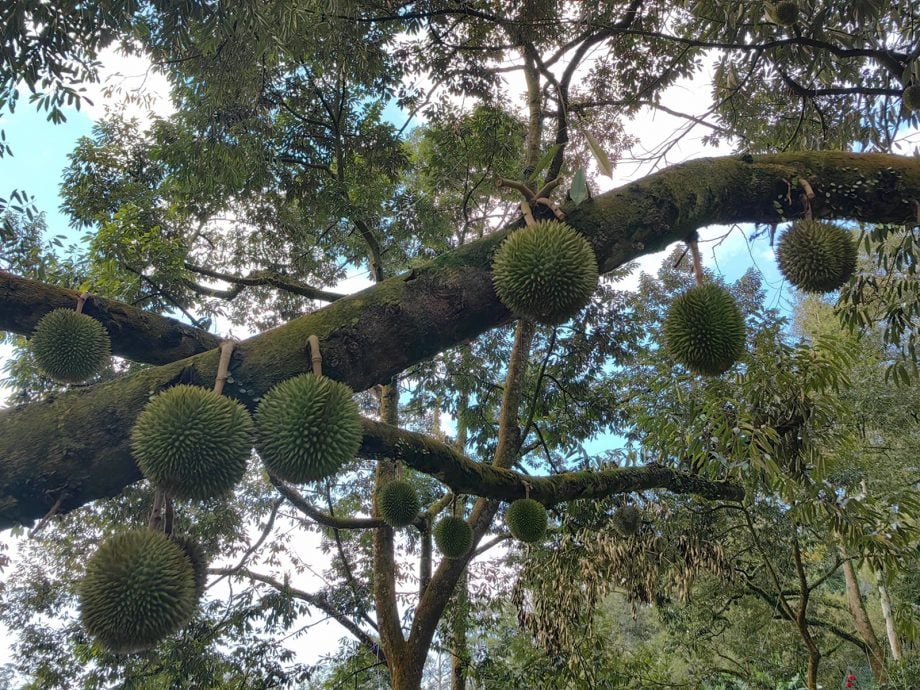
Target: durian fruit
(196, 557)
(307, 428)
(397, 503)
(704, 329)
(192, 442)
(453, 536)
(816, 256)
(911, 97)
(139, 587)
(627, 520)
(527, 520)
(786, 12)
(70, 347)
(545, 272)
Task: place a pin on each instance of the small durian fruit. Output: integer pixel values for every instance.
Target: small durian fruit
(527, 520)
(138, 588)
(911, 98)
(816, 256)
(704, 330)
(453, 536)
(627, 520)
(192, 442)
(397, 503)
(70, 347)
(307, 428)
(786, 13)
(198, 560)
(545, 272)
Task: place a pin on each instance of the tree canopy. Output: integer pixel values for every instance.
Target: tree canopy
(690, 508)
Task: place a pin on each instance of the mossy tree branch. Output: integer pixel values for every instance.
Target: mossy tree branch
(76, 445)
(140, 336)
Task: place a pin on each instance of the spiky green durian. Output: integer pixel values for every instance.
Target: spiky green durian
(786, 13)
(546, 272)
(307, 428)
(192, 442)
(397, 503)
(816, 256)
(627, 520)
(70, 347)
(704, 329)
(453, 536)
(911, 97)
(198, 560)
(527, 520)
(139, 587)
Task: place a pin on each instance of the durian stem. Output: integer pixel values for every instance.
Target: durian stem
(809, 195)
(315, 357)
(45, 520)
(81, 302)
(697, 261)
(223, 366)
(528, 214)
(526, 191)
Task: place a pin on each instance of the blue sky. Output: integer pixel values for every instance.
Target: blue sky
(40, 150)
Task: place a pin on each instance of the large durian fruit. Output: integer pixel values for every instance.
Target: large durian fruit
(704, 330)
(192, 442)
(198, 560)
(398, 503)
(307, 428)
(786, 12)
(911, 98)
(453, 536)
(816, 256)
(527, 520)
(70, 347)
(138, 588)
(545, 272)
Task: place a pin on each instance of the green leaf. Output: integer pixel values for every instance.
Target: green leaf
(579, 190)
(544, 161)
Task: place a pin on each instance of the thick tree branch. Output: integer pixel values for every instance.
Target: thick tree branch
(76, 445)
(465, 476)
(138, 335)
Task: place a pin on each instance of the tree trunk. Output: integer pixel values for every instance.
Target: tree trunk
(811, 678)
(459, 657)
(893, 642)
(861, 619)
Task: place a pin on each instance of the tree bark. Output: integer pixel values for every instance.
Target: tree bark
(76, 446)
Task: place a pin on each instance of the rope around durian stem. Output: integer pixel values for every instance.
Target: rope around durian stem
(315, 357)
(81, 301)
(697, 260)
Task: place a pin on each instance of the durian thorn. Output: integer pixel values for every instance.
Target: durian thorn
(81, 302)
(45, 520)
(223, 366)
(528, 215)
(526, 191)
(697, 260)
(315, 357)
